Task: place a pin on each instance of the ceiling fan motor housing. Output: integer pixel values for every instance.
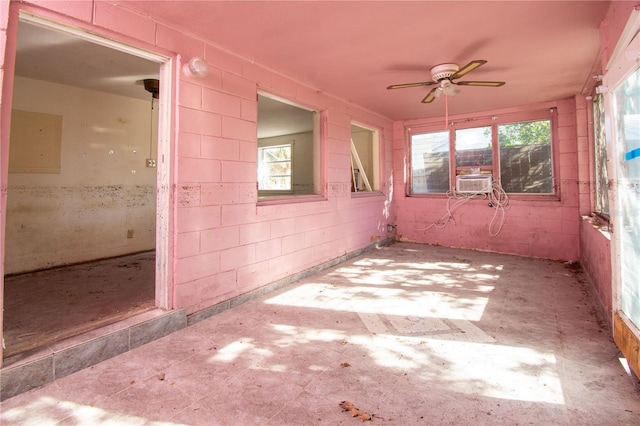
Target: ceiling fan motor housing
(152, 85)
(442, 71)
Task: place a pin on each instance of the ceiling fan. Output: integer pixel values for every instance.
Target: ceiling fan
(443, 75)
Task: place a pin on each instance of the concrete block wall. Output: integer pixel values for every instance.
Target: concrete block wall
(545, 227)
(596, 261)
(595, 243)
(223, 241)
(228, 242)
(586, 172)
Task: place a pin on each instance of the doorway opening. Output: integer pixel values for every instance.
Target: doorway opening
(81, 249)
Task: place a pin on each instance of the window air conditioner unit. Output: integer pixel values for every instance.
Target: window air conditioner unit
(473, 184)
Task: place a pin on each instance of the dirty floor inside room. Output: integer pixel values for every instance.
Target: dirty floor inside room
(44, 307)
(408, 334)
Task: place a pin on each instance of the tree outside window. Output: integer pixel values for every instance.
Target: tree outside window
(519, 153)
(525, 157)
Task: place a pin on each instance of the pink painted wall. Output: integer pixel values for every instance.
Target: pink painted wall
(5, 91)
(223, 242)
(543, 227)
(595, 245)
(595, 255)
(612, 26)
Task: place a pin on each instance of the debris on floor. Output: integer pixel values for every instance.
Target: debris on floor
(345, 365)
(574, 267)
(355, 411)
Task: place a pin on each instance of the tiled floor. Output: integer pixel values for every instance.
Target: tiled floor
(411, 334)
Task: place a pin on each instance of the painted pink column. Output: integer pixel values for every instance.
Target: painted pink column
(7, 55)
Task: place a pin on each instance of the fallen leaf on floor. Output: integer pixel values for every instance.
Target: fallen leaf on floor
(161, 376)
(355, 411)
(345, 364)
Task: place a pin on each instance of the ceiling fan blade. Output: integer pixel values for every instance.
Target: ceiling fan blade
(430, 96)
(468, 68)
(480, 83)
(402, 86)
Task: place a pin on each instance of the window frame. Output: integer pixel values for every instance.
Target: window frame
(267, 197)
(554, 186)
(374, 179)
(423, 131)
(261, 150)
(600, 165)
(493, 121)
(457, 170)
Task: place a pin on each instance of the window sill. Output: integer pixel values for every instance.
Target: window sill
(533, 197)
(599, 224)
(429, 195)
(512, 197)
(289, 199)
(366, 194)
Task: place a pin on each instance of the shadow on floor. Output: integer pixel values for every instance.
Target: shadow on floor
(410, 334)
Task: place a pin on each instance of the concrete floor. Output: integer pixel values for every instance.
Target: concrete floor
(45, 307)
(410, 334)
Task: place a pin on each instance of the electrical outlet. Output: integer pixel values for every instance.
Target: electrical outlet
(129, 233)
(151, 162)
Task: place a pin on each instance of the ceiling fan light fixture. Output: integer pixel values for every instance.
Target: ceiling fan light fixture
(448, 88)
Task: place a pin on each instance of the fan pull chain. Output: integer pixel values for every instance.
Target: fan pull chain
(446, 112)
(151, 132)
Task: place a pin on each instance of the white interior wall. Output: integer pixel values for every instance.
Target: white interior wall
(103, 190)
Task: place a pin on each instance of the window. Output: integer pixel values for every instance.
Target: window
(365, 156)
(626, 119)
(600, 157)
(288, 148)
(525, 157)
(430, 163)
(274, 168)
(517, 154)
(473, 148)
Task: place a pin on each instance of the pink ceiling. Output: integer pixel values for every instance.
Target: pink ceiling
(543, 50)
